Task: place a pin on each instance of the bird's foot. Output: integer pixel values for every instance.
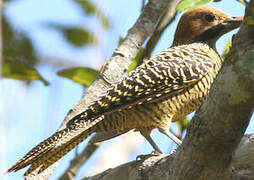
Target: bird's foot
(172, 151)
(145, 156)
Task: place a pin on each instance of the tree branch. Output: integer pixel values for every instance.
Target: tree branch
(78, 161)
(243, 159)
(156, 167)
(167, 18)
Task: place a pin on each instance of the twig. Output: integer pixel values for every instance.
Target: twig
(78, 161)
(167, 18)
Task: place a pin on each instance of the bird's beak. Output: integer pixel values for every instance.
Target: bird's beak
(232, 23)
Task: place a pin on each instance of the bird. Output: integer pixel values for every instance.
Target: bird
(162, 90)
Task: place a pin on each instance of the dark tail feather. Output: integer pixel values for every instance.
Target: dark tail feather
(57, 153)
(32, 155)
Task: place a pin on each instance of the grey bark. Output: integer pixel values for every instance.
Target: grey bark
(167, 18)
(156, 167)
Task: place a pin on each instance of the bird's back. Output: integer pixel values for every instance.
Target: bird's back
(165, 105)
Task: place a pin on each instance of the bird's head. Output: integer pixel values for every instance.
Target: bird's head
(204, 24)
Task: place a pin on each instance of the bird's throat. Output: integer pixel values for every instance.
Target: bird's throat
(210, 36)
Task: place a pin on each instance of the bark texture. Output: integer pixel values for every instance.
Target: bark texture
(156, 167)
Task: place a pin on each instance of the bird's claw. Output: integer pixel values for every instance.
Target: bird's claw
(145, 156)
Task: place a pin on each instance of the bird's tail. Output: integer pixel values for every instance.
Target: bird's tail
(55, 147)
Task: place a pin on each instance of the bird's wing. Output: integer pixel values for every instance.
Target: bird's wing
(159, 78)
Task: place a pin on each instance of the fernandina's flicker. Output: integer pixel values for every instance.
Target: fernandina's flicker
(162, 90)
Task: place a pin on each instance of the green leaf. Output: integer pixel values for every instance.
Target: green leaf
(77, 36)
(136, 60)
(182, 124)
(186, 5)
(82, 75)
(104, 20)
(91, 9)
(87, 6)
(17, 44)
(121, 39)
(245, 3)
(228, 46)
(18, 70)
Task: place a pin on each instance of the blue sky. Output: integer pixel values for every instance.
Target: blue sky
(30, 114)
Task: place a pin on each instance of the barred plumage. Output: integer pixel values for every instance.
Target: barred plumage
(165, 88)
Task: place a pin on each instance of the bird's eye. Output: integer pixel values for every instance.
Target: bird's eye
(209, 17)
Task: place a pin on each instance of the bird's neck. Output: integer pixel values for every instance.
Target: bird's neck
(209, 37)
(210, 43)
